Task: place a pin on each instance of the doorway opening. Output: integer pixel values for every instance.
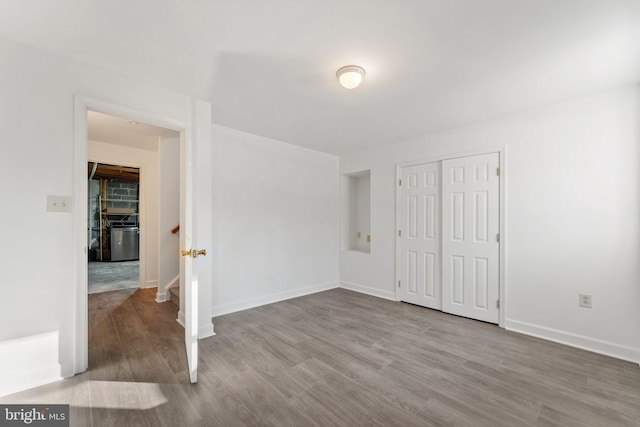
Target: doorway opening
(192, 123)
(113, 227)
(133, 202)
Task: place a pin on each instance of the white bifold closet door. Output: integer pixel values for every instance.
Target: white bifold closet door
(470, 240)
(420, 235)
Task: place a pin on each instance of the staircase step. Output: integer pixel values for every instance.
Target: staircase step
(174, 295)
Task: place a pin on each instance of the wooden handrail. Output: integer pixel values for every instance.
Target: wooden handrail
(175, 229)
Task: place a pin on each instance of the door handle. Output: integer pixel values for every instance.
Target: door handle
(194, 253)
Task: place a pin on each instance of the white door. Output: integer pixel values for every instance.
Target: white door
(420, 235)
(470, 241)
(195, 225)
(188, 264)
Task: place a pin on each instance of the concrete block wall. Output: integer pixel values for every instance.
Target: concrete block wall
(118, 190)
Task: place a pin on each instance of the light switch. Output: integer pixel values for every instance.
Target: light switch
(58, 204)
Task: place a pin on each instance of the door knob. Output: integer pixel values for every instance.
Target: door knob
(194, 253)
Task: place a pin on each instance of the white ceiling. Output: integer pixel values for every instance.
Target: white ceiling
(268, 67)
(115, 130)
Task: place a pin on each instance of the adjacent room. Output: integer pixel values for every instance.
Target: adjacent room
(114, 227)
(360, 213)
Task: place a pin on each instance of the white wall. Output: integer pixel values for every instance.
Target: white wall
(147, 161)
(169, 244)
(573, 217)
(37, 248)
(275, 220)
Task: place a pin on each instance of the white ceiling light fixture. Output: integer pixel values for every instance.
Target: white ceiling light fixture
(350, 76)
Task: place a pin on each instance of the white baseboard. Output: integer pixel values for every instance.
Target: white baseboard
(161, 296)
(163, 291)
(21, 380)
(150, 284)
(205, 330)
(219, 310)
(368, 290)
(574, 340)
(180, 318)
(29, 362)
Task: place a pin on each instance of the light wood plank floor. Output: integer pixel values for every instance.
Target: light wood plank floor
(335, 358)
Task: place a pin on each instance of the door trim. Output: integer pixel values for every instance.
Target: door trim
(502, 151)
(81, 105)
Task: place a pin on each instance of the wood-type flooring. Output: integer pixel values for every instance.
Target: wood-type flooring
(335, 358)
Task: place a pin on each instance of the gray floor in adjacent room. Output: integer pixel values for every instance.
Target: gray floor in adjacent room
(113, 276)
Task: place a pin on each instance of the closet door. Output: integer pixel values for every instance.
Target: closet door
(470, 243)
(420, 235)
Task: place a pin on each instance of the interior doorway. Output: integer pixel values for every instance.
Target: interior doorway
(192, 122)
(127, 230)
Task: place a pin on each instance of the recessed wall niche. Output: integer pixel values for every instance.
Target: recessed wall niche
(356, 211)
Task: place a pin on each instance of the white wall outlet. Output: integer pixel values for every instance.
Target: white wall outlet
(584, 300)
(58, 204)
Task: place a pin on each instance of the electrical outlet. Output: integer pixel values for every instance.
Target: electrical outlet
(58, 204)
(584, 300)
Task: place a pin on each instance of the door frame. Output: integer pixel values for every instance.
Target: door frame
(502, 268)
(81, 106)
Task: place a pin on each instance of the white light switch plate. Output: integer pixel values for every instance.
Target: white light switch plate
(58, 204)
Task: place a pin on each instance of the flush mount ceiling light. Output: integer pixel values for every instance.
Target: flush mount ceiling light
(350, 76)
